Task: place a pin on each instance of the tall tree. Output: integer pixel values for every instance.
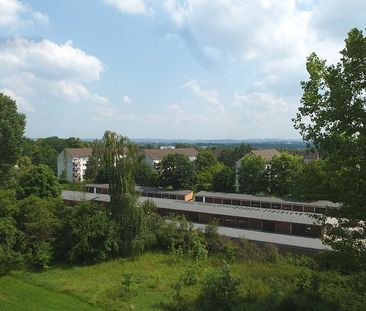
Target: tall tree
(120, 157)
(176, 171)
(12, 124)
(332, 116)
(283, 171)
(251, 175)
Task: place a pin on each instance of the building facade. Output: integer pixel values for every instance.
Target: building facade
(71, 163)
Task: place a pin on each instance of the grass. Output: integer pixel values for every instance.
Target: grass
(152, 277)
(16, 294)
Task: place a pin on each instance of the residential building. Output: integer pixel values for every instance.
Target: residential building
(72, 163)
(154, 156)
(307, 155)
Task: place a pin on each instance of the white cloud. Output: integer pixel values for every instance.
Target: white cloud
(127, 100)
(130, 6)
(49, 60)
(47, 71)
(22, 103)
(15, 14)
(211, 96)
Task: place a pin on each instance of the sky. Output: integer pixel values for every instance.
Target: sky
(175, 69)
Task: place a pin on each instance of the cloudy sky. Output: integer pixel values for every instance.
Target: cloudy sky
(166, 68)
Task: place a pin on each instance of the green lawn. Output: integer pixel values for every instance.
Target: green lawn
(152, 276)
(16, 294)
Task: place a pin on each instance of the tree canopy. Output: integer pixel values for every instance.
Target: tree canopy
(251, 175)
(332, 117)
(176, 171)
(12, 124)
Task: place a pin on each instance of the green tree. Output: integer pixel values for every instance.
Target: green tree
(312, 184)
(251, 175)
(332, 117)
(205, 177)
(223, 180)
(283, 171)
(92, 168)
(120, 158)
(145, 175)
(36, 219)
(205, 159)
(176, 171)
(87, 234)
(229, 156)
(12, 124)
(40, 181)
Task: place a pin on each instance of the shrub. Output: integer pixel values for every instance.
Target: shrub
(219, 290)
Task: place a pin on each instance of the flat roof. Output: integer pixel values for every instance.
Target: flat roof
(273, 238)
(237, 211)
(266, 199)
(144, 189)
(189, 206)
(79, 196)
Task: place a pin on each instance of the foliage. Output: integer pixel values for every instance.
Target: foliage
(39, 180)
(219, 290)
(37, 220)
(205, 177)
(92, 168)
(120, 159)
(87, 234)
(223, 180)
(251, 175)
(146, 175)
(205, 159)
(12, 124)
(229, 156)
(176, 171)
(332, 117)
(283, 171)
(312, 184)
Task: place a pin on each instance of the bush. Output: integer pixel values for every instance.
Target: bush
(219, 290)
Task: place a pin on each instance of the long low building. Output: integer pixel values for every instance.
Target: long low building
(151, 192)
(237, 199)
(284, 228)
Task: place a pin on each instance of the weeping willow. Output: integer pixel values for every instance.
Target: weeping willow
(120, 158)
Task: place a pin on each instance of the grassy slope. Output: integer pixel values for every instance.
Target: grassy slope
(152, 275)
(18, 295)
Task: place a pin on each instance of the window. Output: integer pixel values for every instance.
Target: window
(204, 218)
(255, 204)
(287, 207)
(217, 201)
(245, 203)
(226, 201)
(228, 221)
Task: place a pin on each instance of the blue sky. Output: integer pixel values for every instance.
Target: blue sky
(195, 69)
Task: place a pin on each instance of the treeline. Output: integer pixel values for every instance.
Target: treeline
(210, 171)
(45, 150)
(285, 176)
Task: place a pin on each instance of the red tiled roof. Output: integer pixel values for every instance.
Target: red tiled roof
(159, 154)
(266, 154)
(79, 152)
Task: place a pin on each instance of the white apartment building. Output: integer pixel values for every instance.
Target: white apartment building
(72, 162)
